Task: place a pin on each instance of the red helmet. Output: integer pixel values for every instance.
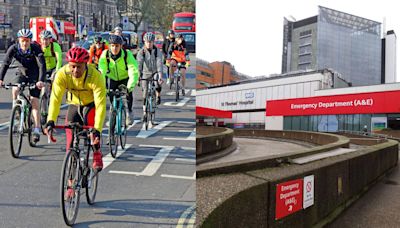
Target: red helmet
(77, 55)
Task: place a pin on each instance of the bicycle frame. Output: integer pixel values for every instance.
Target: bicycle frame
(23, 102)
(118, 105)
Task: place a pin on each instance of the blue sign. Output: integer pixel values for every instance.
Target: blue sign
(249, 95)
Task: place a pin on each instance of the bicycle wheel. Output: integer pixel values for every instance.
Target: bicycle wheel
(153, 108)
(15, 132)
(112, 138)
(92, 177)
(70, 178)
(147, 116)
(123, 134)
(177, 89)
(29, 125)
(43, 108)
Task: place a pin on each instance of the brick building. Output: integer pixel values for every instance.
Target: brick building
(216, 73)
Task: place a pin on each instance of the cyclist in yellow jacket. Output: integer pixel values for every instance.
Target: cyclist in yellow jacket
(86, 97)
(120, 67)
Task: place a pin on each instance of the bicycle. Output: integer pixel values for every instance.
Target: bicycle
(175, 80)
(77, 171)
(21, 120)
(44, 100)
(117, 125)
(150, 102)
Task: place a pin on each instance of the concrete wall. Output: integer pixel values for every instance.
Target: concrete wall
(212, 139)
(338, 182)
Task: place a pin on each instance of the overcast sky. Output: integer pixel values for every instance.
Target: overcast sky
(249, 33)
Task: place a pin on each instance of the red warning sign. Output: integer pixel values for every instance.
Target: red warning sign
(289, 198)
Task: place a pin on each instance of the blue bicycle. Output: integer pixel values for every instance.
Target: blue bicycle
(150, 101)
(117, 124)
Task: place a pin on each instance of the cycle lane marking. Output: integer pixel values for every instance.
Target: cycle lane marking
(144, 134)
(108, 159)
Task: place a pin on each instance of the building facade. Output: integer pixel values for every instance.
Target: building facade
(216, 73)
(15, 14)
(349, 44)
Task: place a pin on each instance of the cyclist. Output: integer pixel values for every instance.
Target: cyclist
(86, 95)
(31, 68)
(177, 54)
(150, 61)
(118, 32)
(170, 39)
(96, 49)
(53, 56)
(120, 67)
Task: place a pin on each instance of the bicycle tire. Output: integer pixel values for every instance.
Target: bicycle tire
(13, 132)
(177, 89)
(92, 177)
(43, 110)
(123, 135)
(29, 127)
(147, 113)
(71, 167)
(111, 133)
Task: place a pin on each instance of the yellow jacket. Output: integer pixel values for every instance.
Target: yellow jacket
(81, 91)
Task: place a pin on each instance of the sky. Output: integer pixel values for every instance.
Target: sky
(248, 34)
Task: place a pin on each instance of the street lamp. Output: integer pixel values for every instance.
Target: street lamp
(76, 18)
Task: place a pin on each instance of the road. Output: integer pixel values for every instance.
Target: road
(150, 184)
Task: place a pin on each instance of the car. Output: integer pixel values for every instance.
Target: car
(130, 37)
(83, 43)
(190, 40)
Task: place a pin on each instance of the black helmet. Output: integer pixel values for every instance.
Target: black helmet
(114, 39)
(171, 32)
(98, 39)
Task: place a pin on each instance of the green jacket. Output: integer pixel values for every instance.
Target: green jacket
(116, 70)
(51, 58)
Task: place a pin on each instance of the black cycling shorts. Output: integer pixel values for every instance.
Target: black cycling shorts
(20, 78)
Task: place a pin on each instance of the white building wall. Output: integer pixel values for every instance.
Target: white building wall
(359, 89)
(274, 123)
(253, 96)
(390, 58)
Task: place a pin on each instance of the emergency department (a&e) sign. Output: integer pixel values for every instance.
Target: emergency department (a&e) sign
(289, 198)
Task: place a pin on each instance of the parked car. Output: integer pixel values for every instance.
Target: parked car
(190, 40)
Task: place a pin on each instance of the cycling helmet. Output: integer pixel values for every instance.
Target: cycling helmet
(45, 34)
(171, 32)
(149, 36)
(77, 55)
(114, 39)
(26, 33)
(179, 36)
(98, 39)
(118, 28)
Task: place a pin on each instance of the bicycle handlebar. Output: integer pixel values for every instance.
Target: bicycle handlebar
(50, 137)
(22, 85)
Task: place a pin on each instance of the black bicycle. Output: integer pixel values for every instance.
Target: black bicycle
(21, 120)
(44, 100)
(77, 172)
(150, 101)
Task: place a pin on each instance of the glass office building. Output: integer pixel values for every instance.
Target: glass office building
(348, 44)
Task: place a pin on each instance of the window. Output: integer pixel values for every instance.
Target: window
(305, 50)
(206, 74)
(305, 58)
(305, 41)
(305, 33)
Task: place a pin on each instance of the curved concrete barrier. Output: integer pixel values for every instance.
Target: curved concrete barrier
(210, 140)
(249, 199)
(325, 141)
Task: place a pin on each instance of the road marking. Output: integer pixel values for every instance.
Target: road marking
(185, 131)
(133, 124)
(153, 165)
(188, 148)
(144, 134)
(172, 93)
(108, 159)
(180, 177)
(4, 125)
(63, 106)
(143, 156)
(191, 137)
(193, 93)
(186, 122)
(185, 215)
(180, 104)
(185, 159)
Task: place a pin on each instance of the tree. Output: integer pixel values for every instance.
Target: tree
(135, 10)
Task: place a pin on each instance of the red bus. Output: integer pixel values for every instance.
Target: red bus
(184, 22)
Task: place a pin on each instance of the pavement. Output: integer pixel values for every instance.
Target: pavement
(378, 207)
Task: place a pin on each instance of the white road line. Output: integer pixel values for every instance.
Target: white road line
(191, 137)
(193, 93)
(133, 124)
(107, 160)
(188, 148)
(143, 156)
(180, 177)
(172, 93)
(4, 125)
(185, 159)
(153, 165)
(144, 134)
(184, 131)
(180, 104)
(186, 122)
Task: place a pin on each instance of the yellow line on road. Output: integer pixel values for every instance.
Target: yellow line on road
(182, 220)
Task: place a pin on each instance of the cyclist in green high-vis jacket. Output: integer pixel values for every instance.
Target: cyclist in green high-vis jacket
(120, 67)
(52, 51)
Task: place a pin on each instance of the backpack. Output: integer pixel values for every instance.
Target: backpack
(125, 60)
(155, 54)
